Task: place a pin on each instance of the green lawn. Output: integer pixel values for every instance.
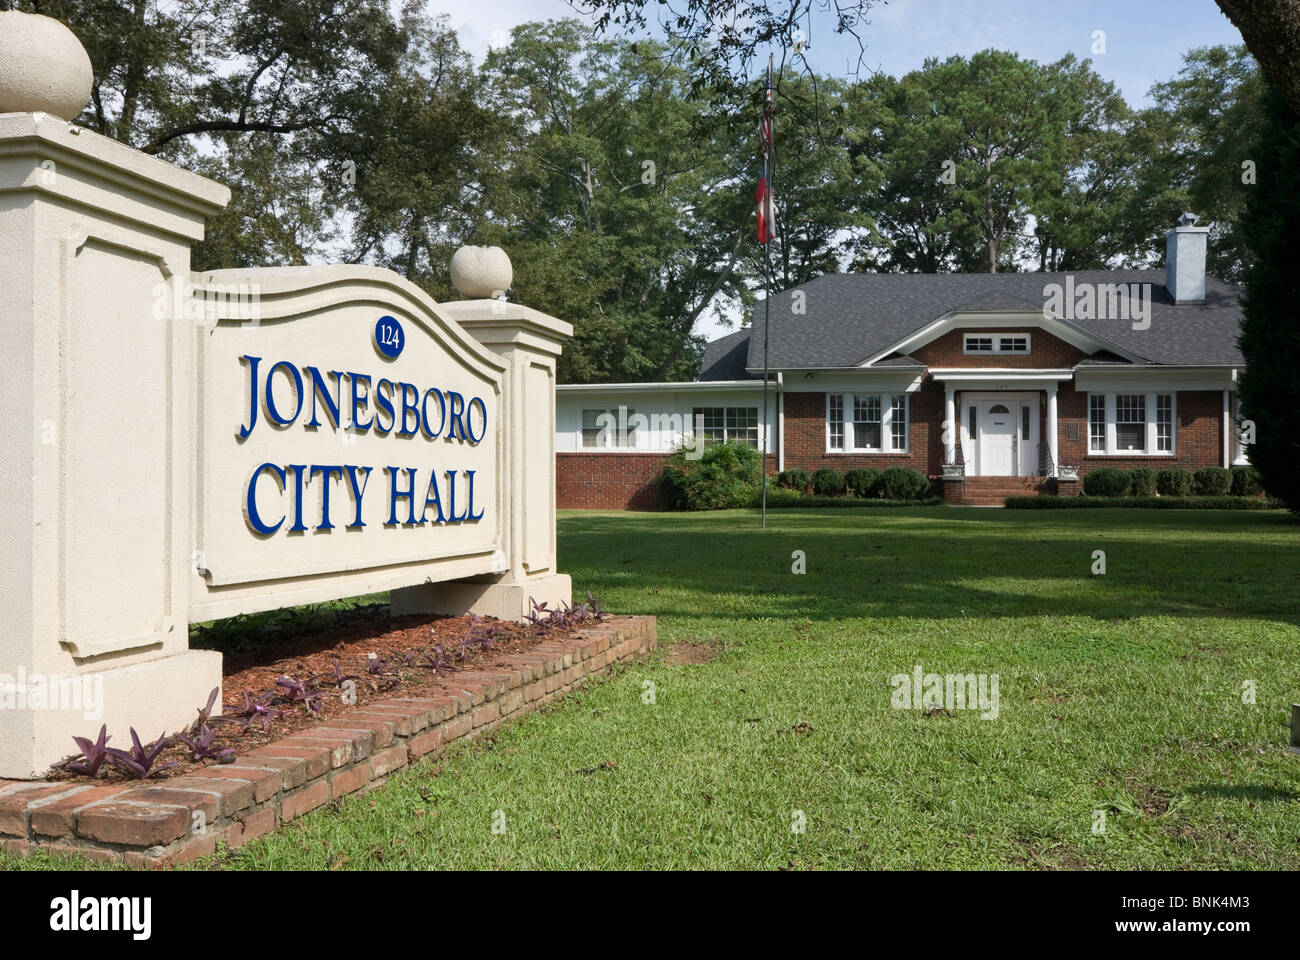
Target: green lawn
(1119, 693)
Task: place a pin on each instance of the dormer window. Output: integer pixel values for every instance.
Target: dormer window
(996, 343)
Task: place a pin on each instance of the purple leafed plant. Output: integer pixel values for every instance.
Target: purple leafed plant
(93, 754)
(260, 709)
(205, 711)
(296, 692)
(203, 746)
(336, 677)
(140, 760)
(376, 666)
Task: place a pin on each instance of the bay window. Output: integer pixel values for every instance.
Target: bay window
(1131, 424)
(866, 422)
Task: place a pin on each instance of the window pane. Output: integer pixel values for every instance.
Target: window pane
(1165, 423)
(621, 438)
(898, 421)
(866, 421)
(1131, 421)
(591, 428)
(979, 344)
(970, 422)
(1097, 422)
(711, 422)
(742, 425)
(1014, 345)
(1024, 423)
(836, 417)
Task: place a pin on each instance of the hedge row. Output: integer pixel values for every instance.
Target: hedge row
(895, 483)
(1242, 481)
(1157, 503)
(780, 497)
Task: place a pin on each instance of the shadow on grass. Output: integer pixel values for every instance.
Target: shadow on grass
(941, 563)
(1252, 794)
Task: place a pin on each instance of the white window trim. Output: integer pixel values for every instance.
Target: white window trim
(726, 430)
(886, 423)
(1112, 449)
(997, 350)
(637, 430)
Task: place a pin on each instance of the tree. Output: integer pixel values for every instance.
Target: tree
(1193, 144)
(623, 210)
(1271, 29)
(1270, 336)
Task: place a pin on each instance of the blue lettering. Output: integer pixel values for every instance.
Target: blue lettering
(359, 402)
(326, 474)
(250, 509)
(358, 491)
(271, 410)
(384, 404)
(321, 391)
(408, 495)
(252, 396)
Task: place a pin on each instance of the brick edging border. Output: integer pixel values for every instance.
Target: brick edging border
(157, 824)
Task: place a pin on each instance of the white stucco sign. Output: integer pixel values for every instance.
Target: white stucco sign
(184, 447)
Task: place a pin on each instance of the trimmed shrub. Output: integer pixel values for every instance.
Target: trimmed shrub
(827, 482)
(1174, 482)
(1106, 482)
(1246, 482)
(780, 498)
(1145, 503)
(1142, 482)
(723, 477)
(862, 481)
(1211, 482)
(900, 483)
(794, 479)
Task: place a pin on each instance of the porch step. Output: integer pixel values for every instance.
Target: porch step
(992, 491)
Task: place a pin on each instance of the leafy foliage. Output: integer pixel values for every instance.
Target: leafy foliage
(1106, 482)
(1246, 481)
(93, 754)
(794, 478)
(141, 761)
(1211, 482)
(1142, 482)
(827, 482)
(1270, 336)
(204, 746)
(724, 477)
(1174, 482)
(862, 481)
(902, 483)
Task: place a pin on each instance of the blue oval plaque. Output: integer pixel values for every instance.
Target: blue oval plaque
(390, 338)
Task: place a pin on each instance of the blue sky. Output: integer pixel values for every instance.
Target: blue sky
(1144, 39)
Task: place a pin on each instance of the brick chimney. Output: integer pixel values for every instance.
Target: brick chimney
(1185, 248)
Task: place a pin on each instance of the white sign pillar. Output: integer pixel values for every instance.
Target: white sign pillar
(96, 363)
(529, 341)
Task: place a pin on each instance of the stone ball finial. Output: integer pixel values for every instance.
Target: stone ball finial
(43, 67)
(481, 272)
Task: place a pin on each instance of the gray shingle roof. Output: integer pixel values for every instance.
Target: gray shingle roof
(851, 317)
(724, 358)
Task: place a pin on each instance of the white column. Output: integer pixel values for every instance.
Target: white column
(529, 341)
(950, 424)
(1051, 429)
(1227, 429)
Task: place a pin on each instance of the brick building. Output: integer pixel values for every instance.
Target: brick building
(1040, 376)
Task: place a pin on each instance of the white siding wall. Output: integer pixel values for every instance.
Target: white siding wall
(666, 408)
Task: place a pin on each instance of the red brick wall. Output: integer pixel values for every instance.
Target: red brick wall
(608, 481)
(1198, 441)
(805, 435)
(612, 481)
(1045, 351)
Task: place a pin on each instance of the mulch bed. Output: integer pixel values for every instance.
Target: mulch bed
(352, 638)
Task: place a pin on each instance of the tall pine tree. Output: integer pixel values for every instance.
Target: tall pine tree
(1270, 331)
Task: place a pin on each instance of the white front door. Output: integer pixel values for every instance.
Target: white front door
(999, 425)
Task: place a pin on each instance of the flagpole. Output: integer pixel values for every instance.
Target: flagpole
(767, 272)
